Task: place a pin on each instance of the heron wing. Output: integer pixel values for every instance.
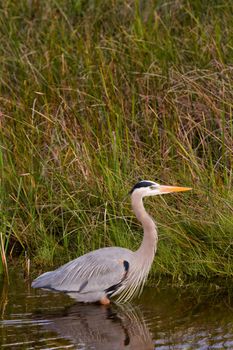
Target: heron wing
(102, 269)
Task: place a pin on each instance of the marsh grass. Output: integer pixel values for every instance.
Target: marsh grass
(95, 95)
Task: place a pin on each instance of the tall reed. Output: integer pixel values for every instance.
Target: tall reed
(95, 95)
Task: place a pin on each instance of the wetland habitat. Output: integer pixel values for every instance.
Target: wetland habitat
(95, 95)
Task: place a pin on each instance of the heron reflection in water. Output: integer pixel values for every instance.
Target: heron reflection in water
(101, 328)
(101, 274)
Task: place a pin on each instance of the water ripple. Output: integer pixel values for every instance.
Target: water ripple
(161, 320)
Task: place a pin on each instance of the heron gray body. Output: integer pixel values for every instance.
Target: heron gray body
(89, 277)
(106, 272)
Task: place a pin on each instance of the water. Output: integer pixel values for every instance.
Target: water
(163, 319)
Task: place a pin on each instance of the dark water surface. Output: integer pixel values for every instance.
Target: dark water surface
(163, 318)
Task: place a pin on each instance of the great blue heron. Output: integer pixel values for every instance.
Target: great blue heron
(106, 272)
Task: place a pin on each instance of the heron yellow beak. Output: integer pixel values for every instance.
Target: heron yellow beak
(170, 189)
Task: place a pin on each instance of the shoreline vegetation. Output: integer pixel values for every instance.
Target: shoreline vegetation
(97, 94)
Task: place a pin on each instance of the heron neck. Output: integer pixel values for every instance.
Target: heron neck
(149, 243)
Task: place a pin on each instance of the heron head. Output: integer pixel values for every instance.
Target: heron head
(149, 188)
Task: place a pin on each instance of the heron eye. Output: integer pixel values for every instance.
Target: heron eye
(153, 187)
